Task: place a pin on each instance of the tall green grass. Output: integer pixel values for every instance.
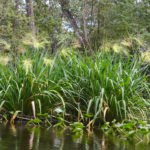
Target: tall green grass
(99, 88)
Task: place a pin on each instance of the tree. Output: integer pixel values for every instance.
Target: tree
(30, 15)
(65, 22)
(84, 21)
(16, 21)
(80, 34)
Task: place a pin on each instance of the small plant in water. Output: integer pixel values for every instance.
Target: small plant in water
(77, 127)
(133, 129)
(61, 122)
(45, 116)
(35, 122)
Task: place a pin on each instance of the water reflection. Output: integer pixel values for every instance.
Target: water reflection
(17, 137)
(103, 145)
(13, 129)
(34, 137)
(31, 140)
(59, 139)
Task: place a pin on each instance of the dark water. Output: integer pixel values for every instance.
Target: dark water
(18, 137)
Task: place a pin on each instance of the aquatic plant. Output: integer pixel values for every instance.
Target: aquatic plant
(35, 122)
(92, 89)
(77, 127)
(134, 129)
(106, 86)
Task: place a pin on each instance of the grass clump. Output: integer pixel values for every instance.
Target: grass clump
(92, 89)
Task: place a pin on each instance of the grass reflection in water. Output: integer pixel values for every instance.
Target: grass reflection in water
(19, 137)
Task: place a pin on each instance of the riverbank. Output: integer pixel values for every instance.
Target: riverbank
(92, 90)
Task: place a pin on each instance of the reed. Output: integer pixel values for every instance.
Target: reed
(92, 89)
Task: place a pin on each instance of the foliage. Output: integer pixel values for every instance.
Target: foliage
(127, 130)
(60, 122)
(100, 21)
(33, 122)
(92, 89)
(77, 127)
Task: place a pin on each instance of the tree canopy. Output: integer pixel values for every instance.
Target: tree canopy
(56, 24)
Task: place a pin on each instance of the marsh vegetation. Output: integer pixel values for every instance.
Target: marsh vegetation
(76, 64)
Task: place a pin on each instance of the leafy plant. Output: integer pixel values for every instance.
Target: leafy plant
(61, 122)
(34, 122)
(130, 129)
(77, 127)
(45, 116)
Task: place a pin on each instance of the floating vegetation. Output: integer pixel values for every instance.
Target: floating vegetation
(127, 129)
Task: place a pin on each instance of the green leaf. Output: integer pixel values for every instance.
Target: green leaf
(88, 115)
(77, 130)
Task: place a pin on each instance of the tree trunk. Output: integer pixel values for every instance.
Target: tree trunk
(16, 22)
(65, 9)
(30, 14)
(84, 21)
(15, 37)
(92, 6)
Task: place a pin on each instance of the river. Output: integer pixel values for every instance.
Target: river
(18, 137)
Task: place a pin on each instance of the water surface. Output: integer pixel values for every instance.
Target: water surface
(18, 137)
